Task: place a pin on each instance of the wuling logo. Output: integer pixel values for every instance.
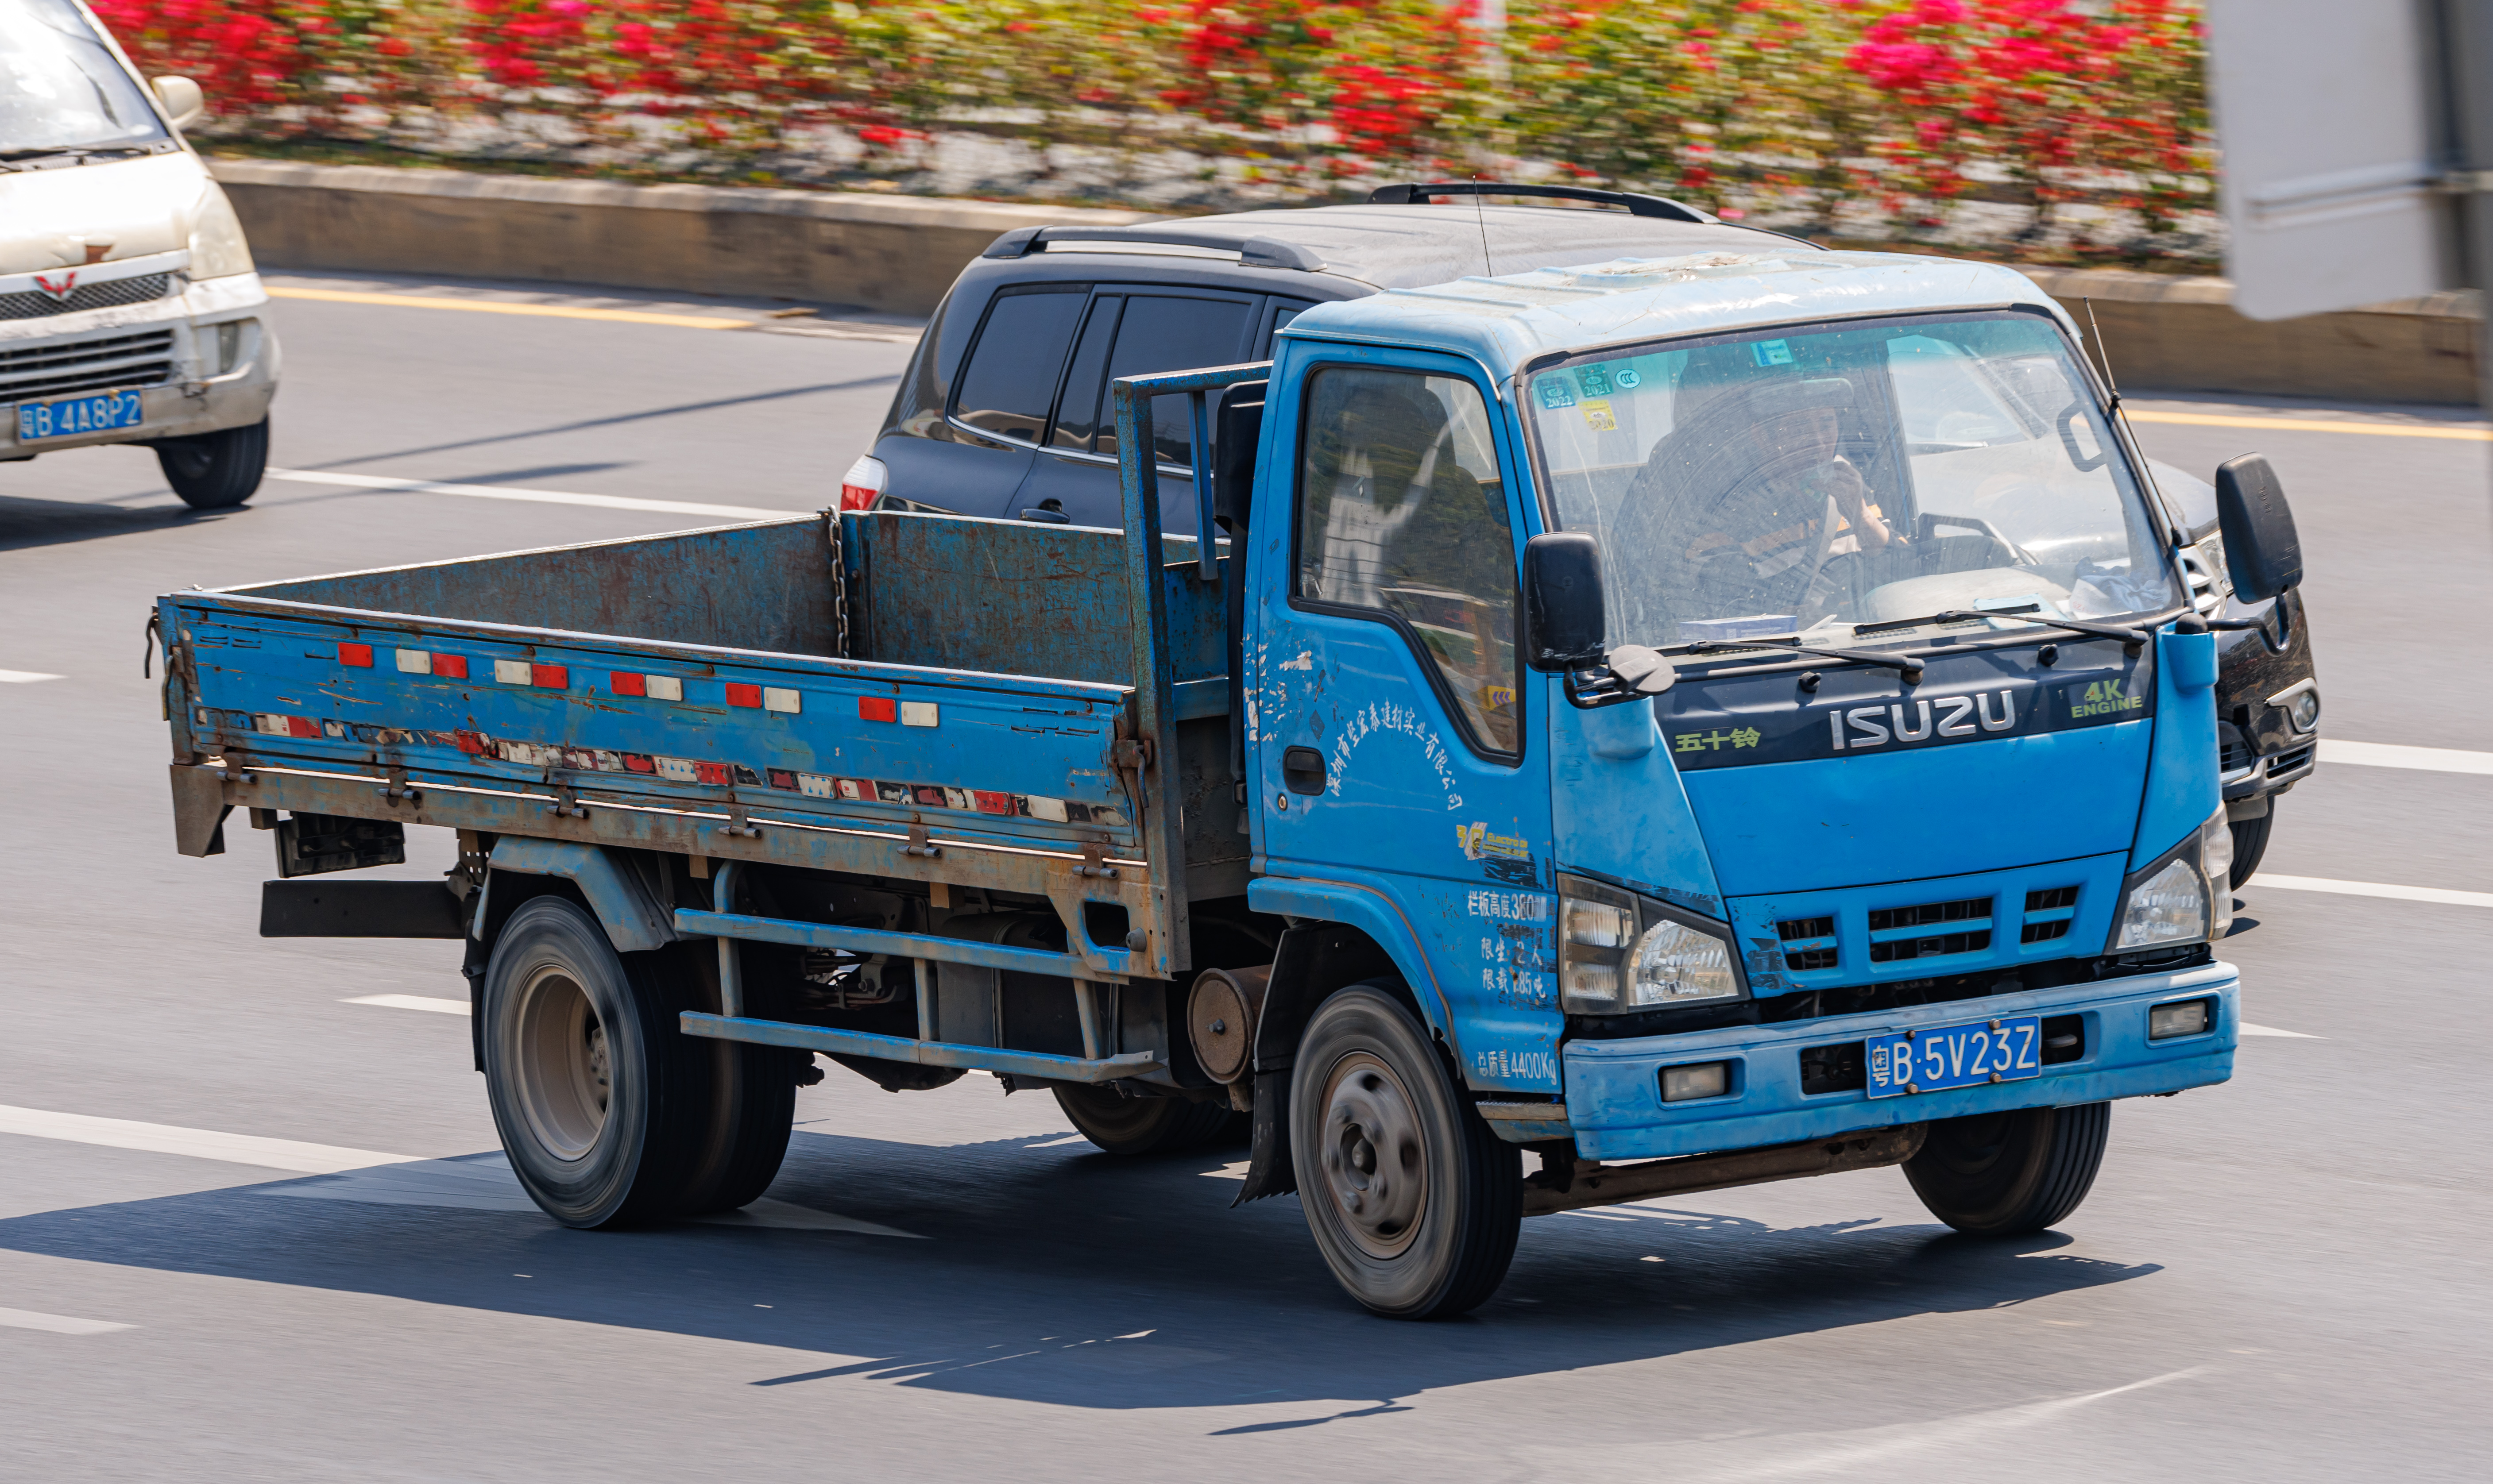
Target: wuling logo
(1854, 727)
(59, 290)
(2105, 697)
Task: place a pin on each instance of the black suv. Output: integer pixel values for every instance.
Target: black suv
(1004, 410)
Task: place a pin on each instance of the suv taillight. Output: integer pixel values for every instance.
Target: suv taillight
(863, 483)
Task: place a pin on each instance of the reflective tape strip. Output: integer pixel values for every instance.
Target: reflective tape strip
(679, 770)
(664, 687)
(415, 661)
(744, 695)
(450, 667)
(777, 699)
(624, 682)
(878, 708)
(359, 656)
(917, 713)
(512, 672)
(555, 677)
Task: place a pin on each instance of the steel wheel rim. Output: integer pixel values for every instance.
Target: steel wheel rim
(564, 1073)
(1374, 1157)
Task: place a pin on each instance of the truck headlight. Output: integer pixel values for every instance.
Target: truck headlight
(217, 247)
(1620, 952)
(2184, 897)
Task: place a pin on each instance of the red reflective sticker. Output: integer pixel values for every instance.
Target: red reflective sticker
(713, 772)
(355, 654)
(468, 741)
(554, 677)
(744, 695)
(449, 667)
(781, 777)
(302, 727)
(878, 708)
(639, 762)
(625, 682)
(995, 803)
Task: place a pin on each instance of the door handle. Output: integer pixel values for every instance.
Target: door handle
(1303, 770)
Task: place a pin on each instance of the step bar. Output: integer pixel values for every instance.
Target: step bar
(925, 1053)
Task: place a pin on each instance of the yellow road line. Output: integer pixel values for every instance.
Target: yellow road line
(2312, 425)
(498, 307)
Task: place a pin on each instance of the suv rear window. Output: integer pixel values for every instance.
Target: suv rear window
(1003, 390)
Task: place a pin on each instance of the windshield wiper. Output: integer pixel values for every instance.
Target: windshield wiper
(1910, 664)
(82, 151)
(2134, 638)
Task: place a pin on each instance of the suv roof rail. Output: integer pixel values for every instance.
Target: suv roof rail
(1253, 251)
(1418, 195)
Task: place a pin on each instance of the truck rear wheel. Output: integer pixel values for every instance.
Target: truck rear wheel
(2008, 1174)
(753, 1106)
(603, 1105)
(1414, 1202)
(1124, 1125)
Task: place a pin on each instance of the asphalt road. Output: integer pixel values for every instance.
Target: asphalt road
(2277, 1279)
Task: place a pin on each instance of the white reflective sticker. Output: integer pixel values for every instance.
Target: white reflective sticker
(415, 661)
(817, 787)
(272, 724)
(778, 699)
(512, 672)
(665, 687)
(919, 713)
(679, 769)
(1047, 809)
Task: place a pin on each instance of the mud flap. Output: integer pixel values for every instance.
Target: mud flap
(1269, 1170)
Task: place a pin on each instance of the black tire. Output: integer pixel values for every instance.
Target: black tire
(2009, 1173)
(2250, 842)
(604, 1106)
(1145, 1125)
(753, 1106)
(1414, 1202)
(215, 470)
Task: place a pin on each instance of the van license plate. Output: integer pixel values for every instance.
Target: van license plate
(2003, 1050)
(76, 415)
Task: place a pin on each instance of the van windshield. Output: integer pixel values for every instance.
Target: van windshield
(61, 87)
(1863, 474)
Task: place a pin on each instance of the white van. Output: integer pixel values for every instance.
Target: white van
(129, 306)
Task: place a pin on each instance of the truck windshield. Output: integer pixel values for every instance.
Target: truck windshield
(1868, 473)
(61, 88)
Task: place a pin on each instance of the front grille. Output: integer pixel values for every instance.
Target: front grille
(34, 304)
(1809, 942)
(104, 363)
(2232, 754)
(1974, 937)
(2047, 914)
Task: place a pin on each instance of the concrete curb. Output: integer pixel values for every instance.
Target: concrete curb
(900, 254)
(896, 254)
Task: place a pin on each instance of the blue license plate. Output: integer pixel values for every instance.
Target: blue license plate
(72, 416)
(2003, 1050)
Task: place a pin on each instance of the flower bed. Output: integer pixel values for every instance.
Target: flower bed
(1863, 117)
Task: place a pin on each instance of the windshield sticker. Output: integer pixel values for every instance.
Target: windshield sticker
(1595, 379)
(1598, 416)
(1628, 379)
(1556, 394)
(1772, 353)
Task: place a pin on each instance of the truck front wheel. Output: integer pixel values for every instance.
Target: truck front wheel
(601, 1104)
(1414, 1202)
(2008, 1174)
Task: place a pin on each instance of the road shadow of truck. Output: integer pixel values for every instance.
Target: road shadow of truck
(1027, 1269)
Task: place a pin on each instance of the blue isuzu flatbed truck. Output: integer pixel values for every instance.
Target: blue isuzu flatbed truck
(1694, 721)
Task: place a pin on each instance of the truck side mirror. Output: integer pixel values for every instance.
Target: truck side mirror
(1236, 427)
(1564, 616)
(2262, 551)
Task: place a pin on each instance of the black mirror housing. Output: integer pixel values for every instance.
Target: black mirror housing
(1237, 425)
(2262, 553)
(1565, 620)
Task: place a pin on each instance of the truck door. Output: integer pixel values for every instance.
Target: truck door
(1389, 723)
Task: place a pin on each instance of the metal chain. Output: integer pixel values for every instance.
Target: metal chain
(839, 587)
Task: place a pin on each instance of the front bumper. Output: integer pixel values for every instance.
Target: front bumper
(1615, 1109)
(167, 349)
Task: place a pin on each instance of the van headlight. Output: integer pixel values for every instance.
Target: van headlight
(2186, 897)
(1620, 952)
(217, 250)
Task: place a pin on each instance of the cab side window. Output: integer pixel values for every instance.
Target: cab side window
(1138, 335)
(1401, 513)
(1004, 390)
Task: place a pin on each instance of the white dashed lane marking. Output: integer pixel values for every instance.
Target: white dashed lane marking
(286, 1154)
(2386, 754)
(2437, 894)
(411, 1002)
(534, 496)
(23, 676)
(57, 1324)
(2249, 1030)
